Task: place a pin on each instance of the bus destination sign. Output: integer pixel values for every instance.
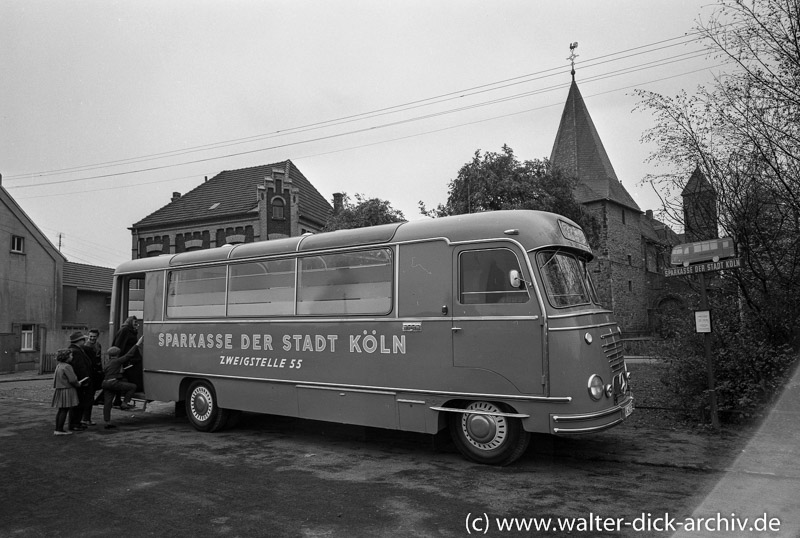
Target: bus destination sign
(730, 263)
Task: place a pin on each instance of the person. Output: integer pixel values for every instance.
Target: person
(94, 352)
(114, 382)
(93, 344)
(65, 395)
(82, 366)
(126, 336)
(125, 339)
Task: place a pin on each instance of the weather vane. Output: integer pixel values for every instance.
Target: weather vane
(572, 56)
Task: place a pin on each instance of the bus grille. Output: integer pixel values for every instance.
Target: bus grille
(612, 347)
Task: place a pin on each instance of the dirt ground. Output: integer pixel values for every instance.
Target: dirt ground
(271, 476)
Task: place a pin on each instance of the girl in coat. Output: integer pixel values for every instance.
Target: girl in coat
(65, 396)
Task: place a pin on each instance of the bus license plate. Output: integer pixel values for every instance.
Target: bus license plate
(628, 409)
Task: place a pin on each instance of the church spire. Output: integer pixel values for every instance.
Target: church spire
(579, 152)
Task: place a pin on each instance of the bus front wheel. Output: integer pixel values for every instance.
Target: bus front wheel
(488, 438)
(202, 409)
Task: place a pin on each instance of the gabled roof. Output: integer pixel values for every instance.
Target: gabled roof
(233, 193)
(579, 152)
(88, 277)
(15, 209)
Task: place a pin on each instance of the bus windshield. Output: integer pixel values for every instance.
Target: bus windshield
(566, 279)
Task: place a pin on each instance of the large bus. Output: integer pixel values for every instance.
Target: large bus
(487, 325)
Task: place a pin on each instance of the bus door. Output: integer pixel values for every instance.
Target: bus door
(129, 302)
(497, 326)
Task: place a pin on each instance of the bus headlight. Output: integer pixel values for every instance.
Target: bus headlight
(596, 388)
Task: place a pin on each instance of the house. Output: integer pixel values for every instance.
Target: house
(30, 288)
(235, 206)
(43, 297)
(86, 300)
(628, 269)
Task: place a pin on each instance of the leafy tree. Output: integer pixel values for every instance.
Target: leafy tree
(743, 132)
(364, 212)
(494, 181)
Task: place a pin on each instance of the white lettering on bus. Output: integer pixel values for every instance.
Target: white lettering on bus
(367, 342)
(305, 342)
(256, 341)
(370, 343)
(260, 362)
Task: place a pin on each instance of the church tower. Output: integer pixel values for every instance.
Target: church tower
(618, 268)
(699, 208)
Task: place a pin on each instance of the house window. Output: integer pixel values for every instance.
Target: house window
(277, 209)
(27, 338)
(17, 244)
(630, 260)
(623, 216)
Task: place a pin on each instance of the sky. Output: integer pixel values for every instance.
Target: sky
(108, 107)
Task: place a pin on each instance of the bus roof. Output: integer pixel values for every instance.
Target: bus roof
(533, 229)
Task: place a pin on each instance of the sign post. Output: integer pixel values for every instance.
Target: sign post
(710, 255)
(712, 390)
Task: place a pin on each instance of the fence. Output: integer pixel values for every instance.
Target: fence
(48, 363)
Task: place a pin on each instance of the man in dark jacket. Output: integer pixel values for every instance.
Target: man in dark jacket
(125, 339)
(82, 365)
(114, 382)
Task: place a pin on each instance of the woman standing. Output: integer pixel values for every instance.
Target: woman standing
(65, 383)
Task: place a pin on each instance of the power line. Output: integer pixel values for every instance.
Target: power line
(360, 146)
(460, 94)
(623, 71)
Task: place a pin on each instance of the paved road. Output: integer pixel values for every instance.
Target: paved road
(270, 476)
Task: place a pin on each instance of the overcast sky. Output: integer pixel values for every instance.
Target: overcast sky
(108, 107)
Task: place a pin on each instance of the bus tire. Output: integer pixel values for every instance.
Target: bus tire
(202, 409)
(488, 439)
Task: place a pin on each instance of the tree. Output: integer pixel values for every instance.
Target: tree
(744, 134)
(495, 181)
(365, 212)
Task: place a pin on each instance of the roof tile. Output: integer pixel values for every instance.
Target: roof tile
(579, 151)
(234, 192)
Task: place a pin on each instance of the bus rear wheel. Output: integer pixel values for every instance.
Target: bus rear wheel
(488, 438)
(202, 409)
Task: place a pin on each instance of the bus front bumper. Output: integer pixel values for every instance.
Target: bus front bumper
(562, 424)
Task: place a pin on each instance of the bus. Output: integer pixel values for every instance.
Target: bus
(485, 325)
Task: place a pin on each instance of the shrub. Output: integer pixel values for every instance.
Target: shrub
(749, 368)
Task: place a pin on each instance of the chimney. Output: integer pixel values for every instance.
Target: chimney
(338, 203)
(649, 213)
(175, 196)
(1, 179)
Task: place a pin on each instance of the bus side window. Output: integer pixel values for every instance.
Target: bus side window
(358, 282)
(196, 293)
(484, 277)
(264, 288)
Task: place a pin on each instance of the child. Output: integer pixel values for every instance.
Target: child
(65, 396)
